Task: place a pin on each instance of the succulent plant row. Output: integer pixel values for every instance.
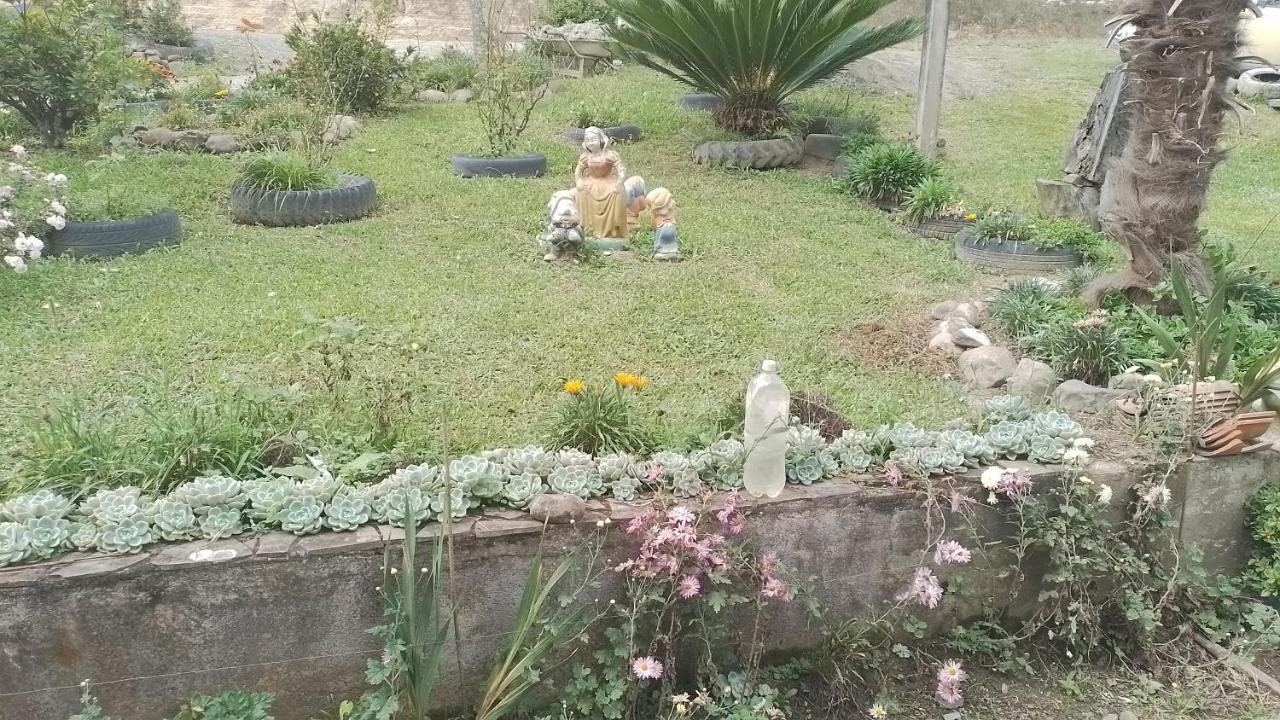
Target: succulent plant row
(41, 524)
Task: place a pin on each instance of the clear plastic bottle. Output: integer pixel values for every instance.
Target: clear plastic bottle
(768, 410)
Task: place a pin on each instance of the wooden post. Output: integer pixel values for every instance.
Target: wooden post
(933, 60)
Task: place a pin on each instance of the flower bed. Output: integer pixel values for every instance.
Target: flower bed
(43, 524)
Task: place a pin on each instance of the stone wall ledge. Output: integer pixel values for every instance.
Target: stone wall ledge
(491, 523)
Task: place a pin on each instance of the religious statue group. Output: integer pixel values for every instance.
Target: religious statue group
(605, 205)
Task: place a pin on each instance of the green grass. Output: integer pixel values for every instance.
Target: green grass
(779, 265)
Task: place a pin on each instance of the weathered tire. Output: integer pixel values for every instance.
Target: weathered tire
(823, 125)
(626, 133)
(1021, 257)
(1259, 82)
(754, 154)
(110, 238)
(700, 101)
(298, 208)
(524, 166)
(938, 228)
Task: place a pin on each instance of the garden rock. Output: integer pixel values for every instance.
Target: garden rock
(339, 128)
(158, 137)
(461, 96)
(431, 95)
(190, 139)
(987, 367)
(970, 338)
(1126, 381)
(952, 325)
(822, 146)
(942, 310)
(1075, 396)
(945, 344)
(1127, 715)
(220, 144)
(1110, 716)
(1032, 380)
(974, 312)
(557, 508)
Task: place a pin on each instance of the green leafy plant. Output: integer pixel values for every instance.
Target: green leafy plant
(933, 198)
(341, 67)
(585, 116)
(887, 172)
(59, 62)
(753, 54)
(1024, 308)
(452, 70)
(162, 23)
(1054, 233)
(1209, 350)
(228, 705)
(508, 88)
(600, 418)
(564, 12)
(1091, 349)
(1003, 227)
(1261, 380)
(283, 170)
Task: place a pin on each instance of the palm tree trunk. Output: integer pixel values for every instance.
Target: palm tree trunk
(1179, 60)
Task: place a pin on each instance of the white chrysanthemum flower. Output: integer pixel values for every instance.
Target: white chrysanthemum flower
(1082, 442)
(57, 207)
(57, 222)
(1152, 378)
(16, 263)
(1104, 495)
(28, 244)
(1074, 456)
(19, 153)
(991, 477)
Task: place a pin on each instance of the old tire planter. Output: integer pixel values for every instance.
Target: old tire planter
(110, 238)
(700, 101)
(625, 133)
(939, 228)
(750, 154)
(298, 208)
(1020, 257)
(467, 166)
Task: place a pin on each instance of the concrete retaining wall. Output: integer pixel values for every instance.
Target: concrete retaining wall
(289, 615)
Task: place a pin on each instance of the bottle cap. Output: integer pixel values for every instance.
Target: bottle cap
(769, 366)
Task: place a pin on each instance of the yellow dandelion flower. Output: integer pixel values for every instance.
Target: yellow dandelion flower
(222, 92)
(624, 379)
(573, 387)
(638, 382)
(971, 217)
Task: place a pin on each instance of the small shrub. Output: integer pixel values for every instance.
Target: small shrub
(162, 23)
(599, 419)
(507, 91)
(1023, 308)
(585, 116)
(1076, 279)
(340, 66)
(887, 172)
(453, 70)
(281, 170)
(564, 12)
(229, 705)
(1003, 227)
(1091, 349)
(1051, 233)
(115, 201)
(180, 114)
(933, 198)
(59, 62)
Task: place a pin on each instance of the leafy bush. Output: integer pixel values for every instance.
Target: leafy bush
(340, 66)
(752, 55)
(453, 70)
(600, 419)
(282, 170)
(162, 23)
(1091, 349)
(507, 90)
(1263, 513)
(564, 12)
(933, 198)
(1051, 233)
(585, 116)
(1003, 227)
(229, 705)
(1024, 308)
(114, 201)
(887, 172)
(59, 62)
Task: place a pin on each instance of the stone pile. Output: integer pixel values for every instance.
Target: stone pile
(337, 129)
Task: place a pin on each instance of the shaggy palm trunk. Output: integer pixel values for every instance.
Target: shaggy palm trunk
(1179, 61)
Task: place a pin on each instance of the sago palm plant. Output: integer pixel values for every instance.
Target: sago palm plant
(752, 54)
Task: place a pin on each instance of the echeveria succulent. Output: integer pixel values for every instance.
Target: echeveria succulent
(301, 515)
(38, 504)
(570, 457)
(906, 435)
(497, 455)
(531, 459)
(394, 505)
(1009, 439)
(853, 458)
(347, 511)
(1006, 407)
(48, 535)
(126, 536)
(173, 518)
(625, 488)
(322, 487)
(111, 507)
(669, 461)
(221, 522)
(686, 482)
(926, 461)
(975, 449)
(84, 536)
(1056, 425)
(213, 492)
(803, 440)
(580, 480)
(423, 477)
(477, 476)
(266, 496)
(15, 545)
(805, 471)
(522, 489)
(1045, 449)
(455, 503)
(615, 467)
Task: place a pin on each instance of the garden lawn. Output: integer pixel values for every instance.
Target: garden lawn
(459, 311)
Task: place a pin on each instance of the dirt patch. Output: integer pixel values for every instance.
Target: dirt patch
(896, 71)
(893, 345)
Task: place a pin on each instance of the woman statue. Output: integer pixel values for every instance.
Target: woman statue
(602, 199)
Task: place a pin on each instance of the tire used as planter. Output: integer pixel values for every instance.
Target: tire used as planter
(524, 166)
(353, 199)
(1021, 257)
(109, 238)
(700, 101)
(626, 133)
(938, 228)
(750, 154)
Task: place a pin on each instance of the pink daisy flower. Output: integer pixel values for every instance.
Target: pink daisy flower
(950, 552)
(681, 514)
(688, 587)
(949, 694)
(646, 668)
(951, 673)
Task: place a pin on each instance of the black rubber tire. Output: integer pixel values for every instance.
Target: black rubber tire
(110, 238)
(353, 199)
(939, 228)
(534, 165)
(625, 133)
(700, 101)
(1021, 257)
(750, 154)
